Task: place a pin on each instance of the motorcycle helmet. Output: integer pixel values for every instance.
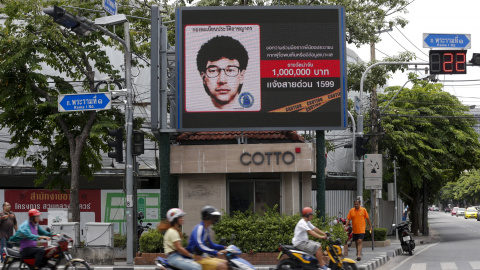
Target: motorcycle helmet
(33, 213)
(307, 211)
(210, 213)
(174, 213)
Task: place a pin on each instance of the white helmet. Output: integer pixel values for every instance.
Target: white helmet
(174, 213)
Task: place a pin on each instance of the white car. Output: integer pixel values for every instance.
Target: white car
(460, 212)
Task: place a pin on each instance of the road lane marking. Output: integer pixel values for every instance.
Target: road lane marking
(448, 266)
(418, 266)
(415, 254)
(475, 265)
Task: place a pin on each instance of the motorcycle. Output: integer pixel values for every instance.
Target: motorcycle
(140, 227)
(54, 254)
(406, 240)
(348, 229)
(234, 262)
(298, 259)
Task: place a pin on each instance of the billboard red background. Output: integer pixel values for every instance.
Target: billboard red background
(22, 200)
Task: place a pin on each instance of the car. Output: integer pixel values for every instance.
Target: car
(460, 212)
(471, 212)
(435, 208)
(447, 209)
(478, 215)
(454, 211)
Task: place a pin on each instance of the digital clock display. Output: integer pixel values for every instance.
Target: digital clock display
(448, 62)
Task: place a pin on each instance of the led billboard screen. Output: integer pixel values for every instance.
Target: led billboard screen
(261, 68)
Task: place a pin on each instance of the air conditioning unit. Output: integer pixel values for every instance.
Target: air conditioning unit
(98, 234)
(72, 229)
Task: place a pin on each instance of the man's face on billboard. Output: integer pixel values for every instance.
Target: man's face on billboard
(222, 78)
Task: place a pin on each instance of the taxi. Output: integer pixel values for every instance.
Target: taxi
(471, 212)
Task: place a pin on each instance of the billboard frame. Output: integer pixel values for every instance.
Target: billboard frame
(181, 76)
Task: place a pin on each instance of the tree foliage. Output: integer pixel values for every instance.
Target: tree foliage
(432, 138)
(465, 189)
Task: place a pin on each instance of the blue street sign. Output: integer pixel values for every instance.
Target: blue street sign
(447, 41)
(84, 102)
(110, 6)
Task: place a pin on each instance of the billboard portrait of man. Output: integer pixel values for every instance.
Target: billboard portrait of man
(227, 75)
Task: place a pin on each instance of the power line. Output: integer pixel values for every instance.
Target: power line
(402, 45)
(410, 41)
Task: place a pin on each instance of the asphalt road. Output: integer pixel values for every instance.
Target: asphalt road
(457, 247)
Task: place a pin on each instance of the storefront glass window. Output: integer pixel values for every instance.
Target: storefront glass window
(253, 195)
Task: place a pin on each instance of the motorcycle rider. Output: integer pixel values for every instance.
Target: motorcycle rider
(300, 237)
(28, 233)
(200, 242)
(178, 256)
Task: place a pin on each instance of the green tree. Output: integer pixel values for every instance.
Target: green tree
(431, 136)
(71, 143)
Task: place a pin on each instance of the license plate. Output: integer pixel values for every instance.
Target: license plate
(406, 238)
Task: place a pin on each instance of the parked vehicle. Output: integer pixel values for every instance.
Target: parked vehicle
(234, 261)
(435, 208)
(478, 215)
(348, 229)
(471, 212)
(141, 228)
(298, 259)
(406, 240)
(57, 252)
(454, 211)
(460, 212)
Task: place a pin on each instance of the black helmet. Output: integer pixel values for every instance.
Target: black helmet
(210, 213)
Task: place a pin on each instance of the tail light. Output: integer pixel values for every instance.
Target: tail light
(279, 248)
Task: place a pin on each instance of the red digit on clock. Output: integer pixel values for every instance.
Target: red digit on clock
(460, 63)
(448, 62)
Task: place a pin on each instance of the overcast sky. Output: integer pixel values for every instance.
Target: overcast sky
(440, 17)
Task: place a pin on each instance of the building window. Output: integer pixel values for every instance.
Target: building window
(254, 195)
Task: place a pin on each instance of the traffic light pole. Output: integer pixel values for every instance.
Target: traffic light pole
(360, 120)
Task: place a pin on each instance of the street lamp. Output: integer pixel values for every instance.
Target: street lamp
(83, 26)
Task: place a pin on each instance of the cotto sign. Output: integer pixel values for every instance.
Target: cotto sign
(258, 158)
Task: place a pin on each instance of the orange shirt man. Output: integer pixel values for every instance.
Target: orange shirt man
(357, 216)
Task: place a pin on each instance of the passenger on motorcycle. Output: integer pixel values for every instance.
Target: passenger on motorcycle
(300, 237)
(28, 233)
(178, 256)
(201, 244)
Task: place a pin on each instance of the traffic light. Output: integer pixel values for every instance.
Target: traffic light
(138, 145)
(117, 154)
(360, 144)
(68, 20)
(475, 59)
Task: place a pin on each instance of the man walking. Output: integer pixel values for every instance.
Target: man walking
(357, 216)
(8, 222)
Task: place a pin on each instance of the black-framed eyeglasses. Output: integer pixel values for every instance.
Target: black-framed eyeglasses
(214, 71)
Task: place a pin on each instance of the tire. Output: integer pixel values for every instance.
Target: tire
(349, 266)
(77, 265)
(288, 264)
(409, 249)
(16, 264)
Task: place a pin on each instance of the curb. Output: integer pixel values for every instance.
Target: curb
(380, 260)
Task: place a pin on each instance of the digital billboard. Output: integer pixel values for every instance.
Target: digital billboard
(261, 68)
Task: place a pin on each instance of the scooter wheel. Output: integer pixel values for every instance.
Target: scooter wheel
(288, 264)
(349, 266)
(16, 264)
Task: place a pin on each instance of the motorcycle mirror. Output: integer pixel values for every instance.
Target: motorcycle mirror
(149, 224)
(48, 229)
(223, 242)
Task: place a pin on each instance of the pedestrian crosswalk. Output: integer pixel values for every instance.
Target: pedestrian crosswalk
(474, 265)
